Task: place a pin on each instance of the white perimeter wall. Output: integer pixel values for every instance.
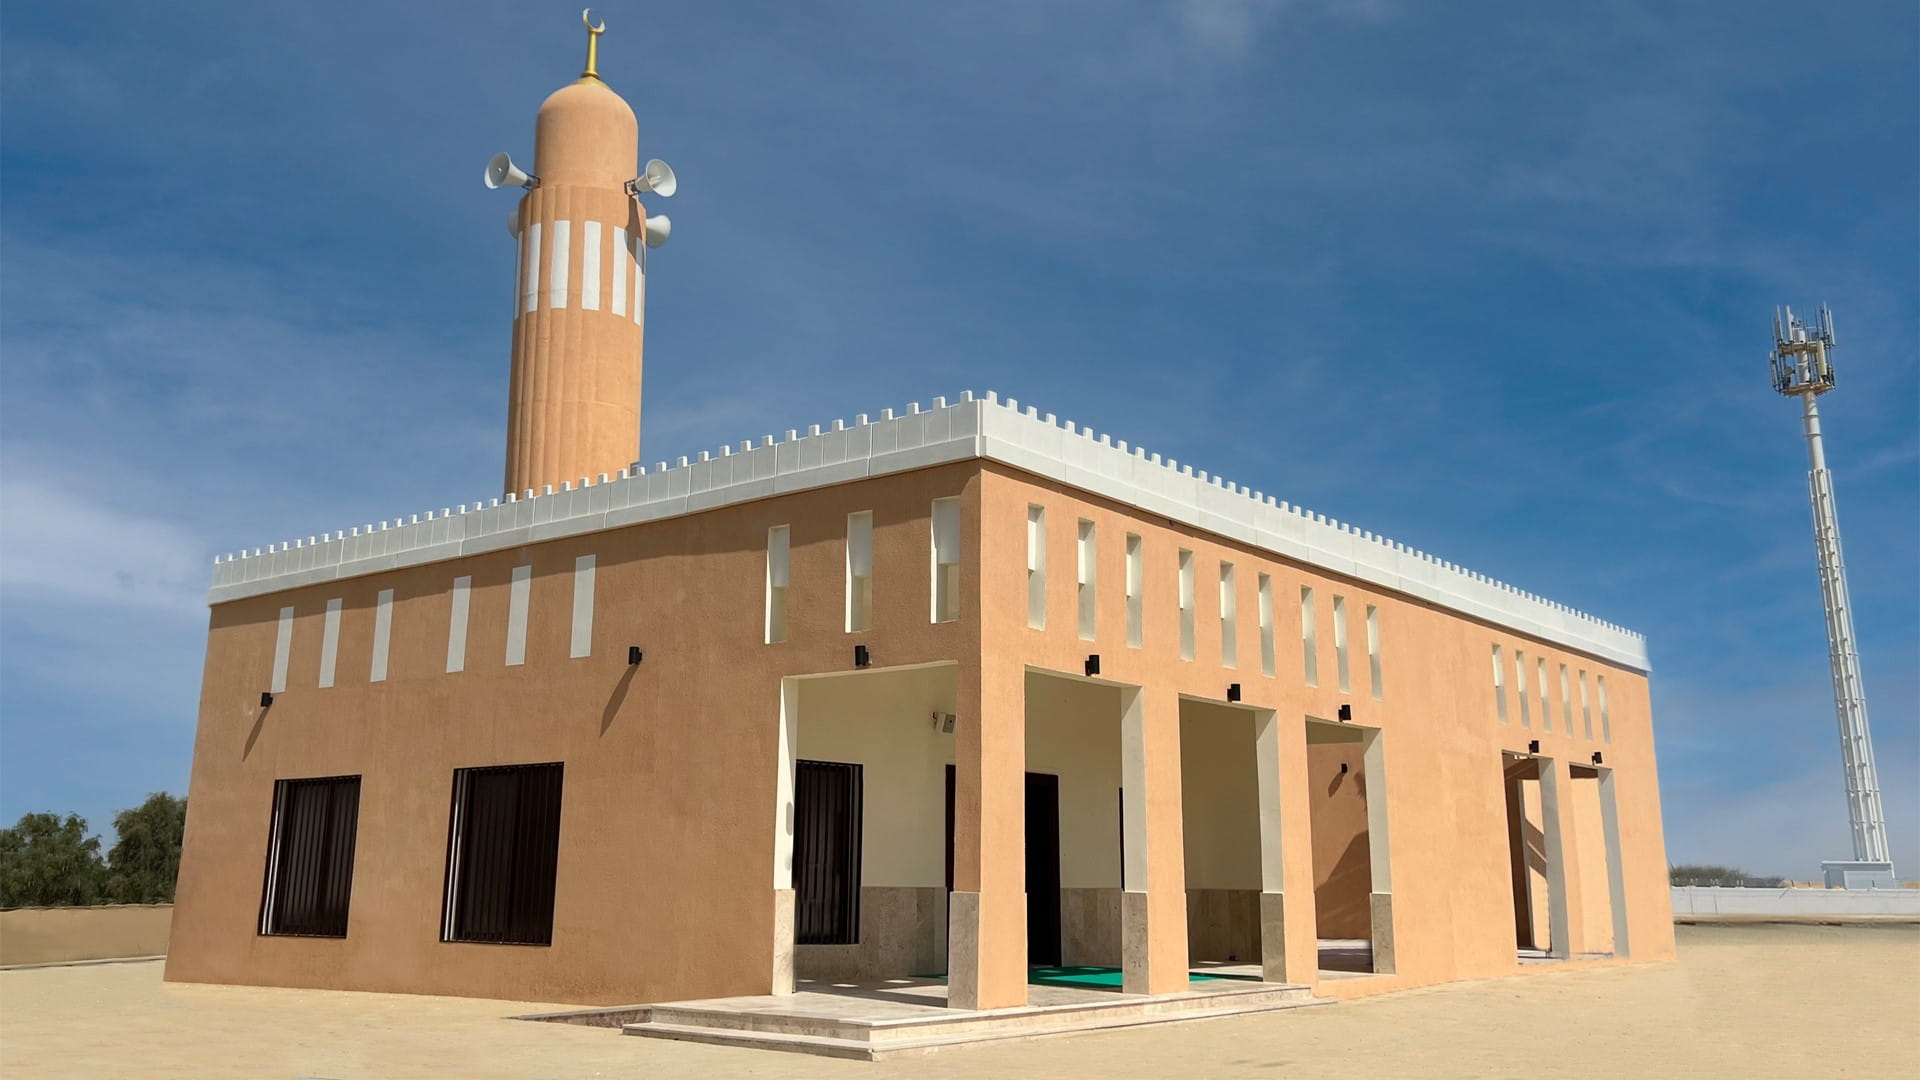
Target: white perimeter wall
(1702, 900)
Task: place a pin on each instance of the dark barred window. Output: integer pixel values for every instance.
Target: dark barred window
(310, 857)
(503, 850)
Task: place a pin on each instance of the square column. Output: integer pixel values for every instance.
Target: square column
(1380, 852)
(1153, 907)
(1560, 939)
(1289, 949)
(987, 912)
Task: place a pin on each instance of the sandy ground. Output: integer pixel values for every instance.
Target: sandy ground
(1742, 1001)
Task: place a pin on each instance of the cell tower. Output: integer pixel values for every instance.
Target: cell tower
(1802, 369)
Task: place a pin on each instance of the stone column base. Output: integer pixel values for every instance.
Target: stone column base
(783, 941)
(1382, 907)
(1273, 937)
(1133, 942)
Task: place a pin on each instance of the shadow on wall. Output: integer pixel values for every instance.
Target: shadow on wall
(63, 935)
(1342, 859)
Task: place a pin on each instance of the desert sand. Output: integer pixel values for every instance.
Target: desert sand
(1741, 1001)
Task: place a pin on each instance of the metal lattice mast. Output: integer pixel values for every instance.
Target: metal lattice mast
(1802, 369)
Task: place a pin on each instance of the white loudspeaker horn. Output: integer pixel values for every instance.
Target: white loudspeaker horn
(501, 172)
(513, 223)
(659, 227)
(658, 178)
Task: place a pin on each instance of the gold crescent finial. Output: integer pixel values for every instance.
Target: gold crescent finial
(593, 43)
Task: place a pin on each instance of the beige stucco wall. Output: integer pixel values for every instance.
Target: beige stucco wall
(1342, 870)
(56, 935)
(1590, 907)
(666, 832)
(1451, 885)
(1220, 797)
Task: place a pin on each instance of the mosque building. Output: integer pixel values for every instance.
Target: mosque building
(957, 690)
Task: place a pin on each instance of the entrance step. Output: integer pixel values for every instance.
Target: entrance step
(797, 1028)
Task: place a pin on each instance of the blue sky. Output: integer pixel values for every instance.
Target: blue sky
(1493, 279)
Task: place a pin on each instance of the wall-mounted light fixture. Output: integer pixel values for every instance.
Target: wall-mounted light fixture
(1093, 664)
(1233, 691)
(1343, 768)
(943, 722)
(634, 655)
(861, 657)
(1346, 714)
(266, 698)
(1596, 757)
(1533, 747)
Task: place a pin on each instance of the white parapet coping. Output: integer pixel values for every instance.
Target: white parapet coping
(971, 427)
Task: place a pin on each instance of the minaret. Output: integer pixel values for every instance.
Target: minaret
(573, 403)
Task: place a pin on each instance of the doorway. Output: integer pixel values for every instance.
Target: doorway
(1043, 865)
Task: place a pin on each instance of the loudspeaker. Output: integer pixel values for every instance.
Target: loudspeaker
(501, 171)
(657, 178)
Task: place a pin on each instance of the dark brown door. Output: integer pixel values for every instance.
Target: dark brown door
(1043, 865)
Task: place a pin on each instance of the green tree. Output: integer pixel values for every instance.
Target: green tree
(47, 862)
(145, 860)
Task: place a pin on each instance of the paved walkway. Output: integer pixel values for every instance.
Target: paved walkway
(1742, 1001)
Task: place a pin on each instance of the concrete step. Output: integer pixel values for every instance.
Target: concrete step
(937, 1022)
(873, 1041)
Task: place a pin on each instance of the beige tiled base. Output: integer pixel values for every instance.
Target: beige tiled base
(871, 1021)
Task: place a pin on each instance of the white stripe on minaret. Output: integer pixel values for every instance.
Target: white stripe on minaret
(639, 276)
(457, 626)
(620, 258)
(582, 607)
(520, 271)
(382, 634)
(329, 643)
(557, 276)
(282, 647)
(530, 274)
(517, 615)
(590, 265)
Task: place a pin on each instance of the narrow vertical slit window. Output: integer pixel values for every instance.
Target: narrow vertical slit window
(778, 540)
(580, 645)
(1266, 625)
(503, 855)
(382, 635)
(946, 560)
(1186, 604)
(1037, 567)
(1606, 719)
(1499, 685)
(1229, 618)
(1373, 651)
(310, 857)
(1340, 644)
(1136, 580)
(1566, 700)
(860, 571)
(1546, 695)
(329, 642)
(1586, 710)
(1309, 646)
(1085, 597)
(519, 595)
(1520, 688)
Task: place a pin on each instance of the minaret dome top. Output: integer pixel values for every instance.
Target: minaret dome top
(585, 133)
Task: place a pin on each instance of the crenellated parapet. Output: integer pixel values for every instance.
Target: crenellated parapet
(986, 427)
